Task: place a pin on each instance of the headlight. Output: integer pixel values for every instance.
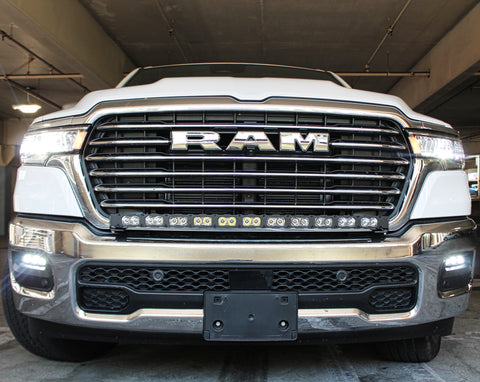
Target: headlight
(439, 148)
(37, 147)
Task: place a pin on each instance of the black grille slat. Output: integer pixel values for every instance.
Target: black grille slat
(152, 126)
(110, 172)
(134, 157)
(131, 168)
(163, 204)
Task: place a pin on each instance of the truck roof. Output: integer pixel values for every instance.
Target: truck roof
(151, 74)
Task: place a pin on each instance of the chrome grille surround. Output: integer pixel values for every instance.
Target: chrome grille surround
(131, 168)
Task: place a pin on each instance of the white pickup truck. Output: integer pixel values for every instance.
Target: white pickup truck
(228, 202)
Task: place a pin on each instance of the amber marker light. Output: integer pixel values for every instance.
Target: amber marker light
(77, 145)
(415, 145)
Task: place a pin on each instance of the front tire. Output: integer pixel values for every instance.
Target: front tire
(41, 344)
(422, 349)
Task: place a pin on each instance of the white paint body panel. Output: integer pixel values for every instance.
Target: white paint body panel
(243, 89)
(443, 194)
(44, 190)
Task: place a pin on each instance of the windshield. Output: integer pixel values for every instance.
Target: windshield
(148, 75)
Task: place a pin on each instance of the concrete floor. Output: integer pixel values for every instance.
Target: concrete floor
(458, 360)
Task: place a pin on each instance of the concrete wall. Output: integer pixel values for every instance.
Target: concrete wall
(5, 198)
(451, 62)
(472, 147)
(73, 38)
(11, 135)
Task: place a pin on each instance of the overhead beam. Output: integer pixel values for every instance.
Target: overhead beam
(452, 63)
(72, 36)
(32, 54)
(46, 76)
(383, 74)
(387, 34)
(171, 30)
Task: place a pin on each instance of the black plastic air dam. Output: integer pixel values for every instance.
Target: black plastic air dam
(437, 328)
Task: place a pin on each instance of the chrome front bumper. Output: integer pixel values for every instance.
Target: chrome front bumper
(68, 245)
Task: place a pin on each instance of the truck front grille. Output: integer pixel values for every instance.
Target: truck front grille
(130, 166)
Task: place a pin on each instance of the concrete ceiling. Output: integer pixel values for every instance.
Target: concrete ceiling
(102, 39)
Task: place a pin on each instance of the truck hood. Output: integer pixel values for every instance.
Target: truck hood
(242, 89)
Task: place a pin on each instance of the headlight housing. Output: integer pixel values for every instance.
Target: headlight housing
(38, 146)
(441, 148)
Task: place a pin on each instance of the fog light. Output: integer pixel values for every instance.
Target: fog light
(455, 275)
(34, 261)
(32, 271)
(455, 262)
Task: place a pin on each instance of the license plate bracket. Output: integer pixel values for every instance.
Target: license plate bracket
(250, 316)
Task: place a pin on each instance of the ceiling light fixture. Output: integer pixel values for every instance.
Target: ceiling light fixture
(29, 108)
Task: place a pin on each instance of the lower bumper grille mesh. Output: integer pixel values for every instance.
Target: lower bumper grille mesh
(388, 299)
(123, 288)
(315, 279)
(110, 299)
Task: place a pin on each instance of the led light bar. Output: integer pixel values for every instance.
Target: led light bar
(131, 221)
(246, 222)
(276, 222)
(324, 222)
(202, 221)
(368, 222)
(154, 220)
